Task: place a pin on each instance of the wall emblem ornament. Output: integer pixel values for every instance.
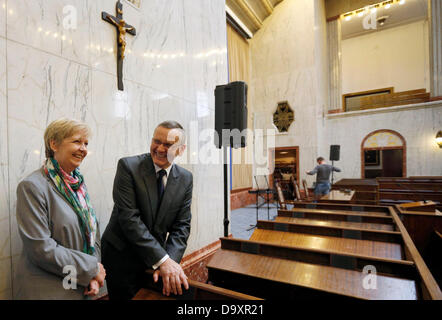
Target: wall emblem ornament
(283, 116)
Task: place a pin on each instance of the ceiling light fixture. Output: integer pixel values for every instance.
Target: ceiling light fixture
(347, 16)
(387, 4)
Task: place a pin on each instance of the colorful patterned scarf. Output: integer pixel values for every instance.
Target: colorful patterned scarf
(75, 192)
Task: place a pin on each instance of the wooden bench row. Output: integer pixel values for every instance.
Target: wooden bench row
(393, 191)
(322, 251)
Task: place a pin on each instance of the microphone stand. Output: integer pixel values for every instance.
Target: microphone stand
(257, 195)
(268, 198)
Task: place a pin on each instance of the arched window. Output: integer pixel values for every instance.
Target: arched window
(383, 154)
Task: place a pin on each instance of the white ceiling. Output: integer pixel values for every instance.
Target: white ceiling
(411, 10)
(252, 14)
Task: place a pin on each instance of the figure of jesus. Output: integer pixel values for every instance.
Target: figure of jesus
(122, 29)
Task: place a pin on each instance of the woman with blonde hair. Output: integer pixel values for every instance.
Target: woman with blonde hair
(57, 223)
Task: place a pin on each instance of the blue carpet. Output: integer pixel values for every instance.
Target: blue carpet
(241, 219)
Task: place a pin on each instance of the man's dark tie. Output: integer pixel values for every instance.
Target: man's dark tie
(160, 184)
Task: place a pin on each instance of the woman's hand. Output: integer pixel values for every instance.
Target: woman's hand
(93, 288)
(101, 275)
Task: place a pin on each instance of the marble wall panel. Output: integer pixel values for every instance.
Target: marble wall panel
(60, 27)
(5, 245)
(123, 125)
(296, 76)
(289, 36)
(41, 88)
(417, 126)
(3, 14)
(3, 134)
(207, 64)
(102, 47)
(156, 56)
(5, 279)
(169, 52)
(208, 187)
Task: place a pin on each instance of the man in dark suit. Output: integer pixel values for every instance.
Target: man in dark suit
(152, 198)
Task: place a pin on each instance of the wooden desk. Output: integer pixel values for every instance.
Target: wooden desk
(339, 196)
(366, 189)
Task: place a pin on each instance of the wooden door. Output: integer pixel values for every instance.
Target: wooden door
(392, 163)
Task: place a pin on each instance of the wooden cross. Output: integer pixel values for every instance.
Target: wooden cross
(122, 28)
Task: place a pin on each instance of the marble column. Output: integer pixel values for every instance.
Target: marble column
(335, 64)
(435, 24)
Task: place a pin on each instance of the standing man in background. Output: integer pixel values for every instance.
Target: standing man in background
(150, 222)
(323, 172)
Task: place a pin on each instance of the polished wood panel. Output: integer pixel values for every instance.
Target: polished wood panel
(369, 217)
(410, 185)
(332, 280)
(345, 237)
(430, 288)
(150, 294)
(197, 291)
(342, 206)
(366, 190)
(428, 206)
(421, 227)
(338, 224)
(398, 268)
(409, 196)
(339, 195)
(344, 212)
(332, 228)
(330, 244)
(399, 190)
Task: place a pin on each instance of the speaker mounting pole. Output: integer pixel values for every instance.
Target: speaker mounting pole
(334, 155)
(230, 116)
(226, 191)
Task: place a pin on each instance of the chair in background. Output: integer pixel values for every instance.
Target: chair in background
(307, 196)
(281, 199)
(297, 194)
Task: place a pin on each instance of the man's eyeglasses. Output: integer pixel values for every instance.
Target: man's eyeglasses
(165, 144)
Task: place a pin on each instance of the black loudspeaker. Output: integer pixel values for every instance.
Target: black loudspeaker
(334, 152)
(231, 114)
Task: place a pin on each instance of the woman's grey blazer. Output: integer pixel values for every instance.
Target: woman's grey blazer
(52, 243)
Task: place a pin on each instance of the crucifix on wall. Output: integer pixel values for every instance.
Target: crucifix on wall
(122, 29)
